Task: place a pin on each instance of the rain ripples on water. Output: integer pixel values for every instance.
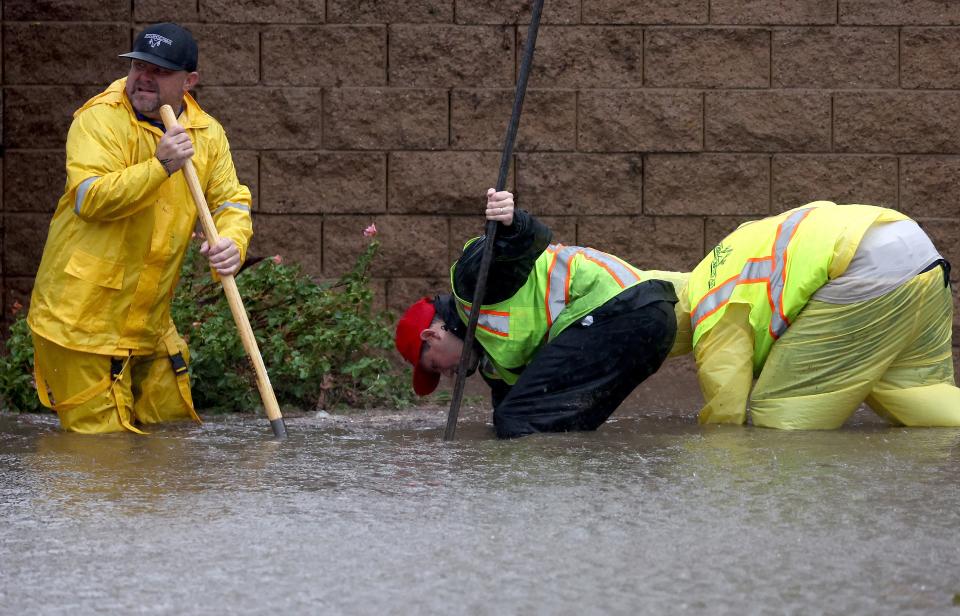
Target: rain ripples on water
(374, 513)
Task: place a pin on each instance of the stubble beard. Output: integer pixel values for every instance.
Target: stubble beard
(145, 102)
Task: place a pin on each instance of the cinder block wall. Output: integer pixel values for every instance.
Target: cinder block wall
(650, 128)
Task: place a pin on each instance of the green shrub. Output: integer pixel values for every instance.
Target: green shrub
(323, 344)
(17, 391)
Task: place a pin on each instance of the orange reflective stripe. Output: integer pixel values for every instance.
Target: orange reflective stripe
(493, 321)
(560, 274)
(559, 277)
(785, 232)
(755, 270)
(771, 270)
(620, 271)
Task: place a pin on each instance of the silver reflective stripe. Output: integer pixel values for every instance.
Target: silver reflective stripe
(620, 271)
(495, 322)
(226, 204)
(559, 275)
(778, 323)
(82, 192)
(557, 279)
(754, 271)
(717, 298)
(758, 269)
(769, 270)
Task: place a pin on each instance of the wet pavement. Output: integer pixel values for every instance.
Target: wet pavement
(375, 514)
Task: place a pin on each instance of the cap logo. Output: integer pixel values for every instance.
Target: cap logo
(156, 39)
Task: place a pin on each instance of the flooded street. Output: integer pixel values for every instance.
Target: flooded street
(375, 514)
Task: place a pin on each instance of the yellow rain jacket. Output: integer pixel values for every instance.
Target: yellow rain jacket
(775, 265)
(892, 351)
(121, 228)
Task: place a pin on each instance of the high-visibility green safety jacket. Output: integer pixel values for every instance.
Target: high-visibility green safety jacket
(775, 265)
(565, 284)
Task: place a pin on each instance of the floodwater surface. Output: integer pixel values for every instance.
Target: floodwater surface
(375, 514)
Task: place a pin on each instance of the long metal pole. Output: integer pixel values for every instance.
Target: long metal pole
(491, 227)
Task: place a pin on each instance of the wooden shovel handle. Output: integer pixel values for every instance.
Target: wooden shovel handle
(231, 291)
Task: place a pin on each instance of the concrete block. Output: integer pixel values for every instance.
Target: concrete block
(587, 57)
(707, 58)
(833, 58)
(647, 242)
(441, 182)
(574, 184)
(263, 11)
(325, 55)
(323, 182)
(267, 118)
(385, 119)
(842, 179)
(410, 246)
(903, 122)
(479, 119)
(451, 56)
(649, 12)
(929, 58)
(773, 12)
(640, 120)
(929, 187)
(64, 53)
(766, 121)
(707, 184)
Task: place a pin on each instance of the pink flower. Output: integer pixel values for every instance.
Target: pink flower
(16, 308)
(277, 259)
(370, 231)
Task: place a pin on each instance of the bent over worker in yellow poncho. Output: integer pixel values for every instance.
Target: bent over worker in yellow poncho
(827, 306)
(107, 355)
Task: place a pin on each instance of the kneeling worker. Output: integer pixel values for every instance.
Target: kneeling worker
(827, 306)
(566, 332)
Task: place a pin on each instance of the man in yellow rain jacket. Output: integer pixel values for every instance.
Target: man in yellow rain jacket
(827, 306)
(107, 355)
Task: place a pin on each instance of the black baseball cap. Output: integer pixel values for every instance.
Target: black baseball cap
(167, 45)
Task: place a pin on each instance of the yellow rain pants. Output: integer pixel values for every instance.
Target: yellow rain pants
(94, 393)
(894, 352)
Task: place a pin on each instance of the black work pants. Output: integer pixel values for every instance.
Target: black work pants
(578, 379)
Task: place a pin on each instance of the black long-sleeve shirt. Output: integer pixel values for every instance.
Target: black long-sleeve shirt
(515, 250)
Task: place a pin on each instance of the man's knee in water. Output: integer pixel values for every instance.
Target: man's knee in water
(509, 424)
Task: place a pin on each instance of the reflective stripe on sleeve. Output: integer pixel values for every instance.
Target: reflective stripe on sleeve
(82, 192)
(769, 270)
(230, 204)
(756, 270)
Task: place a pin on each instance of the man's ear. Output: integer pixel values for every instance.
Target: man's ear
(191, 80)
(429, 334)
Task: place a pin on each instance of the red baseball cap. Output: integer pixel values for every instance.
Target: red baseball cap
(417, 318)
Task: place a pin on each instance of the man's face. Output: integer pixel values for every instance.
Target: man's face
(442, 352)
(150, 86)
